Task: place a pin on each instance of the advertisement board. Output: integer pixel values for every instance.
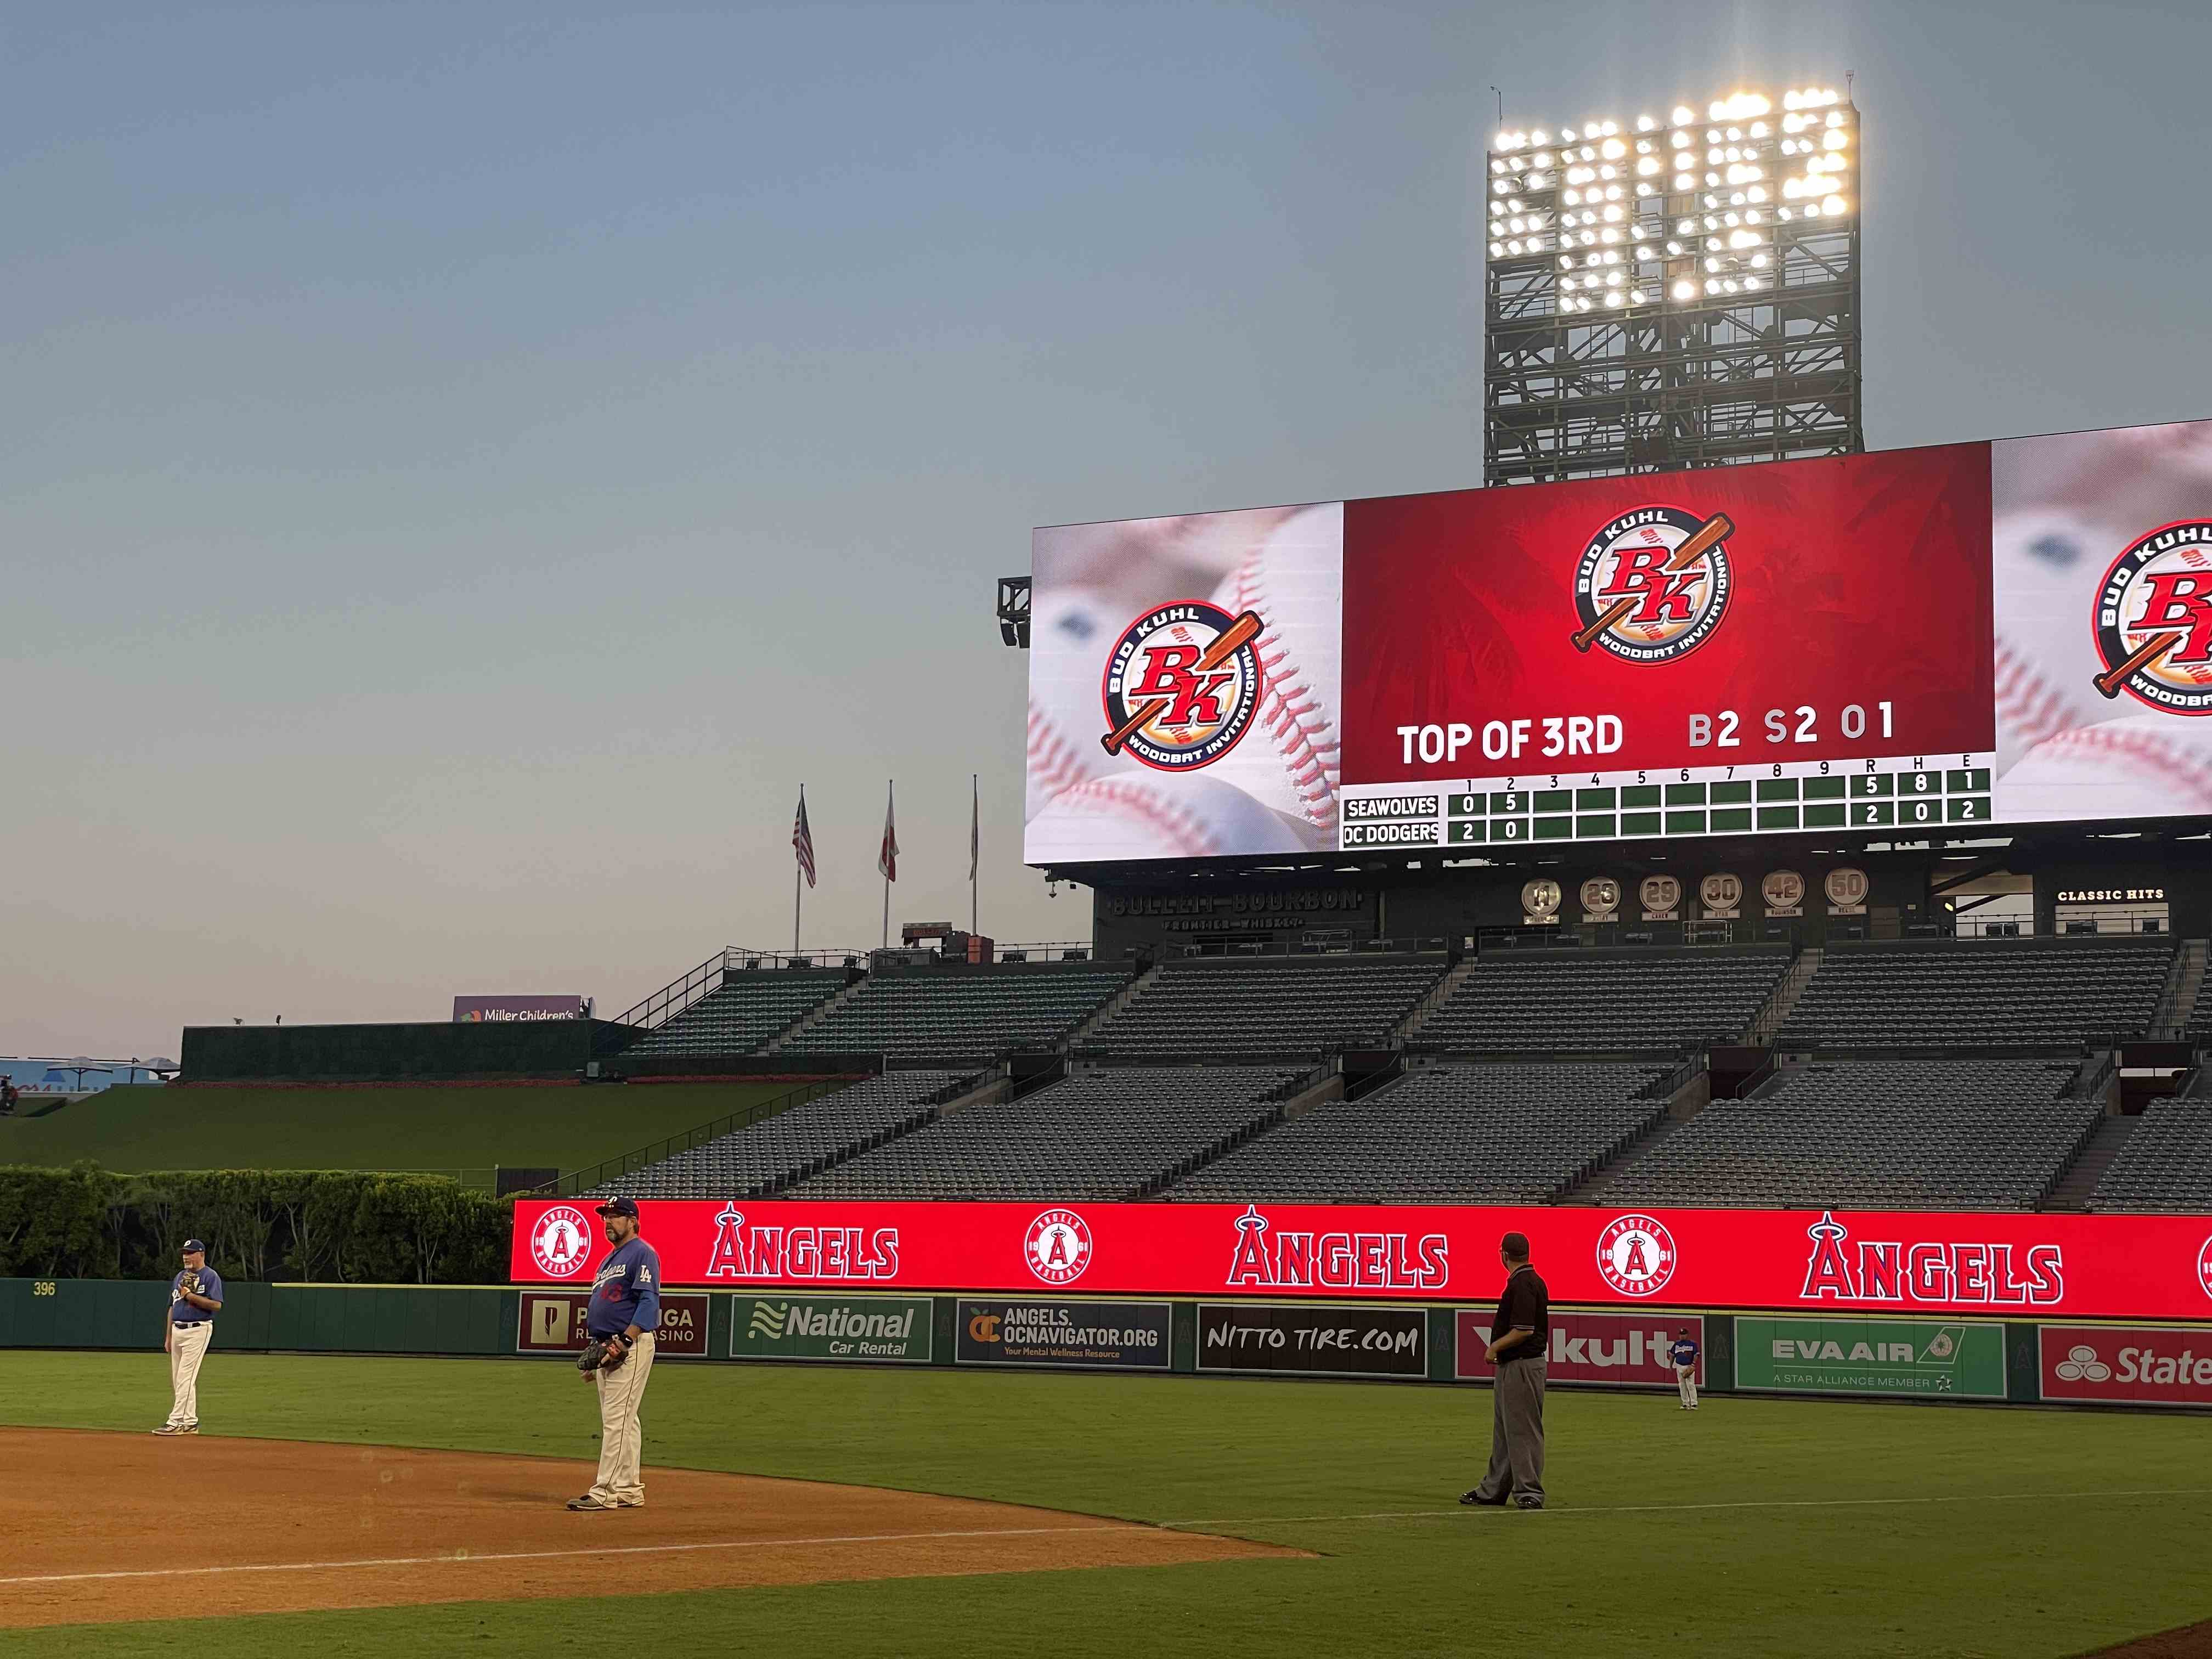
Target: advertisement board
(2126, 1363)
(2012, 632)
(1612, 1350)
(553, 1322)
(1313, 1339)
(1124, 1336)
(1897, 1357)
(507, 1011)
(872, 1328)
(2024, 1264)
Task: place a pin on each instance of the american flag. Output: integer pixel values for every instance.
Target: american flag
(887, 860)
(802, 841)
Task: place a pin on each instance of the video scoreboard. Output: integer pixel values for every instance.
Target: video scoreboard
(1920, 644)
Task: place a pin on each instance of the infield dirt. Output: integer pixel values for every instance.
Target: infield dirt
(120, 1527)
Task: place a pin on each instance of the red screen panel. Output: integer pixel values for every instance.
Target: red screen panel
(1849, 583)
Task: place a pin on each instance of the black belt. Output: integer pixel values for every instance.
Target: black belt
(186, 1324)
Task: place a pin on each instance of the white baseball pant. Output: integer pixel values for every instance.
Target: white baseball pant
(1685, 1379)
(188, 1346)
(621, 1442)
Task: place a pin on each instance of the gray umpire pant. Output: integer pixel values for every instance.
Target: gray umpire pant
(1516, 1432)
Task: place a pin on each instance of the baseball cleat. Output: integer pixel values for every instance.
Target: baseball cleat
(178, 1428)
(590, 1501)
(1527, 1503)
(1473, 1496)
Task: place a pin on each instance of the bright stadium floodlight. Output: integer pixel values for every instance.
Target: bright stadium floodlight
(1682, 246)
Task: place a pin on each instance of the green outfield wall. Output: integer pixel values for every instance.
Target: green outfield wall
(1928, 1360)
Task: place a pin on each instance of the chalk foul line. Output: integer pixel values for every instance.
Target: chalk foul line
(464, 1558)
(1685, 1508)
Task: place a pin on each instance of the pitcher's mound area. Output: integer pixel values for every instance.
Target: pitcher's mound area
(112, 1527)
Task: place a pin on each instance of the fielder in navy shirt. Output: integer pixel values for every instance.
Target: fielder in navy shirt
(1683, 1354)
(626, 1291)
(625, 1313)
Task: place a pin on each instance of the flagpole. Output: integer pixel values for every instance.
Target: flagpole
(890, 794)
(975, 844)
(797, 875)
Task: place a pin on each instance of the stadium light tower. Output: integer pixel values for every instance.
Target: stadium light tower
(1674, 293)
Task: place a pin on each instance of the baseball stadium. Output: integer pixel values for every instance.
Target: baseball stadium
(1609, 1095)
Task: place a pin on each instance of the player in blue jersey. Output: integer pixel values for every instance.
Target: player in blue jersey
(625, 1312)
(195, 1299)
(1683, 1354)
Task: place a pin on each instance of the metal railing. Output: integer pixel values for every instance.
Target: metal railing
(610, 1169)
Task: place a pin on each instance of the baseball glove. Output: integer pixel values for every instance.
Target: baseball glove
(599, 1355)
(188, 1284)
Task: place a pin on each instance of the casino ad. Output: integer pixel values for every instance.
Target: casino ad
(1928, 640)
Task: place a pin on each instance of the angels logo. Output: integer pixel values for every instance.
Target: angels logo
(2152, 620)
(1636, 1254)
(2204, 1268)
(1654, 584)
(1058, 1246)
(1183, 685)
(561, 1243)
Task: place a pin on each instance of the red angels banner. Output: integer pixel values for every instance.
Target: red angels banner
(2156, 1268)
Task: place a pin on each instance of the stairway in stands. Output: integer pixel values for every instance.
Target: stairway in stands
(1692, 1097)
(2183, 990)
(2072, 1189)
(1792, 987)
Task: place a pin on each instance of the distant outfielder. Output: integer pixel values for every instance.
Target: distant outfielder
(625, 1312)
(1683, 1354)
(195, 1299)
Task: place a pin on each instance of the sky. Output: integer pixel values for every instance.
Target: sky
(466, 467)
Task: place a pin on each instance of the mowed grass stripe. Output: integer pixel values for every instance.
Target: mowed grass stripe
(1805, 1573)
(143, 1128)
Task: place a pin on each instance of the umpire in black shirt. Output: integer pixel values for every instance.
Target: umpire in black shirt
(1520, 1337)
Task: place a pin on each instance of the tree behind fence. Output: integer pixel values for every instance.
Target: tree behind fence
(329, 1227)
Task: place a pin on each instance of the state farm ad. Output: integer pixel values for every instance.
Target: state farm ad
(1611, 1350)
(2051, 1265)
(1819, 609)
(2127, 1364)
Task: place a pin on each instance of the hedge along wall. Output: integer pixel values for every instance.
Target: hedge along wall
(545, 1048)
(337, 1227)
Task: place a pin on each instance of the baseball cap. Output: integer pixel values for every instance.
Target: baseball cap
(620, 1207)
(191, 1244)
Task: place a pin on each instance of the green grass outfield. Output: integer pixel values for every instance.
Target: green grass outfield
(132, 1129)
(1755, 1526)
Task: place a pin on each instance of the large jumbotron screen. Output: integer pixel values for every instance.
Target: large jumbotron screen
(1922, 641)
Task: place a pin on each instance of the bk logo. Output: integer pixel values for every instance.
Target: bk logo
(2154, 620)
(1654, 583)
(1183, 685)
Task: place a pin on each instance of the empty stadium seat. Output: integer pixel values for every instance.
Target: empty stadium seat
(1497, 1133)
(1098, 1134)
(1284, 1005)
(762, 1158)
(959, 1015)
(1971, 1134)
(1979, 993)
(1593, 1001)
(2165, 1164)
(744, 1012)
